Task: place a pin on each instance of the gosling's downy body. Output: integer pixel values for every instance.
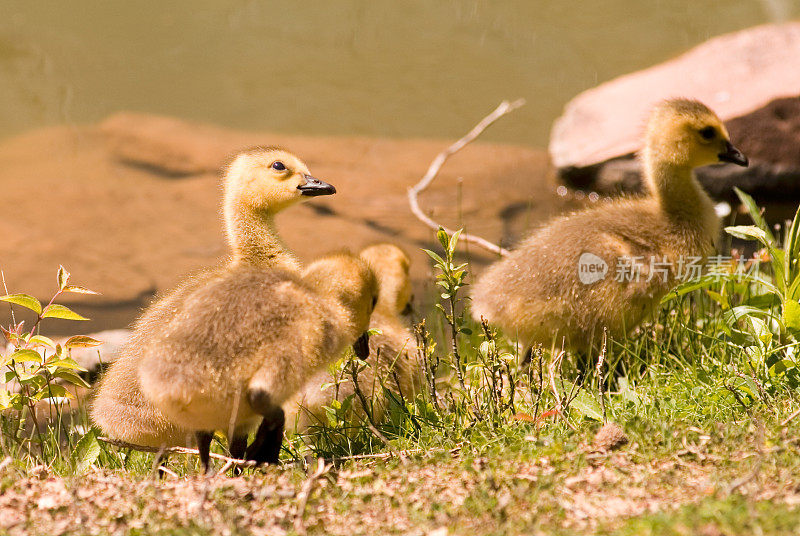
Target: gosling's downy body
(545, 292)
(392, 361)
(258, 184)
(239, 344)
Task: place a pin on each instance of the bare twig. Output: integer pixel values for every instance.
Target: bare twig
(305, 493)
(790, 417)
(383, 455)
(176, 450)
(504, 108)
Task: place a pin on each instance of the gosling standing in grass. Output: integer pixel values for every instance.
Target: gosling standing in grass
(239, 343)
(258, 184)
(392, 362)
(563, 282)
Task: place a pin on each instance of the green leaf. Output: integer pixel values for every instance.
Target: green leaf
(32, 378)
(748, 232)
(690, 286)
(81, 341)
(41, 340)
(59, 311)
(86, 452)
(762, 301)
(776, 261)
(791, 314)
(453, 242)
(71, 377)
(441, 235)
(719, 298)
(435, 257)
(52, 391)
(66, 363)
(25, 301)
(792, 248)
(755, 213)
(22, 356)
(758, 328)
(63, 277)
(782, 366)
(587, 406)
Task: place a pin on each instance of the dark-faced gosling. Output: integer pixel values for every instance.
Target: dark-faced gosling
(563, 282)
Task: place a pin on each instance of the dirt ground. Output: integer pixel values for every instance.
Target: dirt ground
(434, 494)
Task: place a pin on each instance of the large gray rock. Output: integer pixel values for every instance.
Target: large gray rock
(739, 75)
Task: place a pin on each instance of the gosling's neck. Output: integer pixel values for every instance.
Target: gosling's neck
(680, 195)
(254, 240)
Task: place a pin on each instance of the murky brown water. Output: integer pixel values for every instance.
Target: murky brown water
(417, 68)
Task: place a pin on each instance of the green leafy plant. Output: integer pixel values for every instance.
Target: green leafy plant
(38, 370)
(784, 262)
(760, 311)
(451, 280)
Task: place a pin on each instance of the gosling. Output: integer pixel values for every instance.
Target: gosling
(259, 183)
(235, 347)
(392, 361)
(607, 267)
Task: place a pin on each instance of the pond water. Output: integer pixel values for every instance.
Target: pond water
(416, 68)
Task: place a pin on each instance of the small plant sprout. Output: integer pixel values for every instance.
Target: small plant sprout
(451, 279)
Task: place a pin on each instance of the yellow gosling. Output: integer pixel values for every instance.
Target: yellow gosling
(545, 291)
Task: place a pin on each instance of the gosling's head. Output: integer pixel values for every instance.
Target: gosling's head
(350, 281)
(268, 180)
(391, 266)
(687, 133)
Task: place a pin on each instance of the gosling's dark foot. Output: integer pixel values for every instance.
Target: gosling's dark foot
(266, 447)
(204, 447)
(238, 448)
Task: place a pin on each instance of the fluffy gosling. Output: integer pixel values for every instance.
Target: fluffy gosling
(232, 349)
(258, 184)
(392, 361)
(539, 293)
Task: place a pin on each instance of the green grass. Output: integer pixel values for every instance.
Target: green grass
(702, 399)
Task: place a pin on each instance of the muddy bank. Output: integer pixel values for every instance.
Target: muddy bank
(131, 204)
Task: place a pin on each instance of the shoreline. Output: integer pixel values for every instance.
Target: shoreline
(130, 205)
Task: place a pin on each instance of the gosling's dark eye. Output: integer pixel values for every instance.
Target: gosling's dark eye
(708, 133)
(278, 166)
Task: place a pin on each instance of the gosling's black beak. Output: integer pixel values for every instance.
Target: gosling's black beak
(361, 346)
(733, 155)
(313, 187)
